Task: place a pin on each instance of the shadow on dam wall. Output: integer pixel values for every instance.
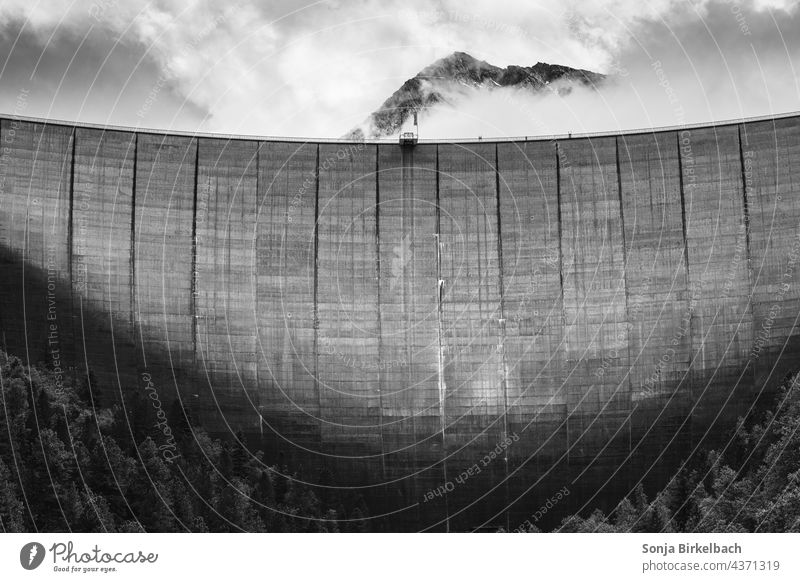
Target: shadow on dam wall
(43, 323)
(457, 332)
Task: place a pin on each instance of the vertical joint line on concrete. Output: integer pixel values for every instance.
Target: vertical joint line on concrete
(193, 297)
(746, 211)
(561, 269)
(380, 323)
(688, 278)
(316, 248)
(256, 341)
(70, 251)
(624, 260)
(499, 231)
(628, 323)
(315, 267)
(683, 214)
(71, 211)
(502, 330)
(407, 193)
(133, 235)
(2, 323)
(560, 237)
(440, 371)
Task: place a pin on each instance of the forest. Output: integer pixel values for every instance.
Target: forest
(67, 465)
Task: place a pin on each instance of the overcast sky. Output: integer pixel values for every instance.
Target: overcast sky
(287, 68)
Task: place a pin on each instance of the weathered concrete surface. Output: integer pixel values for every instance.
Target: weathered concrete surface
(35, 230)
(496, 321)
(285, 298)
(163, 261)
(224, 284)
(658, 299)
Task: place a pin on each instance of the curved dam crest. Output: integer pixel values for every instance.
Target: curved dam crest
(456, 331)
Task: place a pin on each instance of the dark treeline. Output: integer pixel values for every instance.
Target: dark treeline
(752, 484)
(66, 465)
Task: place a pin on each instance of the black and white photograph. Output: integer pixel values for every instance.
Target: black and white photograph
(399, 270)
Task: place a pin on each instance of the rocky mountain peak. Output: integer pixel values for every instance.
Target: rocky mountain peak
(447, 79)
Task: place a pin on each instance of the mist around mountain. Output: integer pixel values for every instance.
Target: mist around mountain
(454, 79)
(68, 465)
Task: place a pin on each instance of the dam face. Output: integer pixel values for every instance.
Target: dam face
(455, 331)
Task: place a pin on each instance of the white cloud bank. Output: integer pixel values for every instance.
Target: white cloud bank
(280, 68)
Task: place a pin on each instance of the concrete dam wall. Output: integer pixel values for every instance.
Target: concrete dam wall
(456, 331)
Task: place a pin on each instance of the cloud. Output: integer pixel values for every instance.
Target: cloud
(88, 78)
(708, 62)
(317, 69)
(725, 60)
